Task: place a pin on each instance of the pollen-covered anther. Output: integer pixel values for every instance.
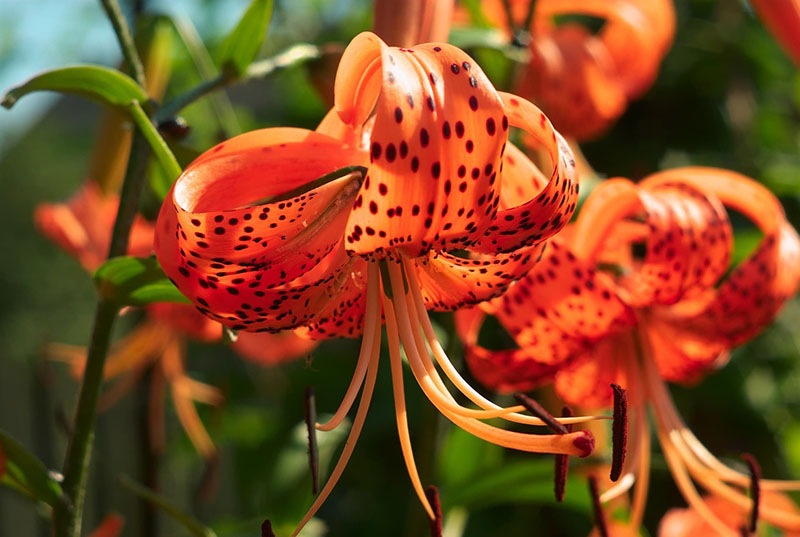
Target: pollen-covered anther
(432, 493)
(619, 434)
(562, 464)
(755, 489)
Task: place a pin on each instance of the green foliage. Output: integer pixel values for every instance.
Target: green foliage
(243, 43)
(135, 281)
(189, 523)
(107, 86)
(26, 474)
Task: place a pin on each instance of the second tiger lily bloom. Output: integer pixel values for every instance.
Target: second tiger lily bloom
(597, 311)
(334, 231)
(581, 79)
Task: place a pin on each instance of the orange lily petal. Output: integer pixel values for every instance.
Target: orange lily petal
(234, 260)
(435, 147)
(503, 371)
(111, 526)
(273, 349)
(586, 380)
(82, 226)
(186, 319)
(687, 523)
(542, 216)
(782, 18)
(561, 307)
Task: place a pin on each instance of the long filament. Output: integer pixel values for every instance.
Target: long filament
(400, 405)
(355, 431)
(490, 409)
(579, 443)
(371, 319)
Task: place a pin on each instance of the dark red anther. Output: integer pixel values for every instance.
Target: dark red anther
(266, 529)
(311, 426)
(599, 514)
(432, 493)
(538, 410)
(562, 463)
(755, 489)
(619, 431)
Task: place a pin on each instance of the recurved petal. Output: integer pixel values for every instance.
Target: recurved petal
(344, 314)
(273, 349)
(82, 226)
(184, 318)
(449, 282)
(540, 217)
(254, 261)
(435, 150)
(561, 307)
(504, 371)
(755, 290)
(783, 20)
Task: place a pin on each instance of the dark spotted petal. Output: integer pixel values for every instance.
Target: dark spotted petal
(539, 218)
(561, 307)
(344, 315)
(754, 292)
(435, 146)
(248, 262)
(450, 283)
(504, 371)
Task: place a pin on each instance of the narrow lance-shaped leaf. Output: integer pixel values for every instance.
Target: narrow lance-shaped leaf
(135, 281)
(241, 46)
(26, 473)
(192, 525)
(101, 84)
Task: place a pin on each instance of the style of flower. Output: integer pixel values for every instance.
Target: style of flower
(584, 80)
(82, 227)
(335, 230)
(595, 311)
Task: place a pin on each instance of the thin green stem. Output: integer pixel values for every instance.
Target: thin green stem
(67, 518)
(261, 69)
(125, 40)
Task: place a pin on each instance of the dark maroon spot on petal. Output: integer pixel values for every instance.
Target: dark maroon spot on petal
(391, 153)
(454, 67)
(470, 146)
(459, 129)
(398, 115)
(383, 189)
(490, 126)
(473, 103)
(414, 164)
(436, 170)
(403, 149)
(424, 138)
(376, 150)
(446, 130)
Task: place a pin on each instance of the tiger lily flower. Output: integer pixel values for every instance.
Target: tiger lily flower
(583, 80)
(82, 227)
(333, 231)
(595, 312)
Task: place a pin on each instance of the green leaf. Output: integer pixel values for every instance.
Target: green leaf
(241, 46)
(525, 481)
(135, 281)
(101, 84)
(191, 524)
(27, 474)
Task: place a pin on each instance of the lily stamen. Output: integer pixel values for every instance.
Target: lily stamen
(755, 489)
(562, 464)
(599, 514)
(313, 452)
(619, 435)
(539, 411)
(432, 494)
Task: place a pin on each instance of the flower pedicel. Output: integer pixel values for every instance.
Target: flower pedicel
(332, 231)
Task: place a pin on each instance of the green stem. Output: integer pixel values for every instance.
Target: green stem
(125, 40)
(67, 518)
(261, 69)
